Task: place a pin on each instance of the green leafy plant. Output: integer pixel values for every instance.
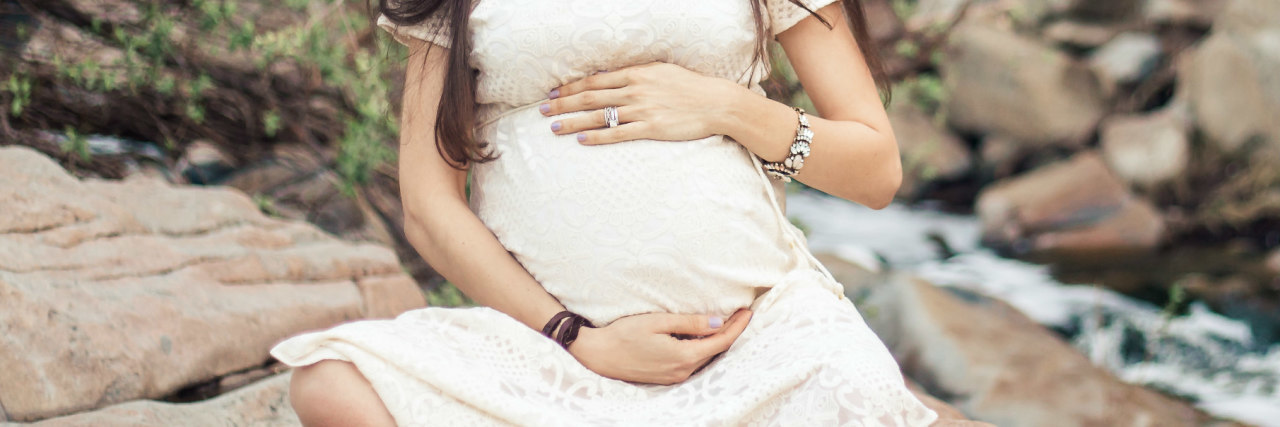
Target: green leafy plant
(903, 8)
(1177, 296)
(925, 91)
(77, 144)
(271, 123)
(19, 87)
(266, 205)
(906, 48)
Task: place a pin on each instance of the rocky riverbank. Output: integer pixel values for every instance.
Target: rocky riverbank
(1129, 143)
(1149, 113)
(119, 291)
(958, 315)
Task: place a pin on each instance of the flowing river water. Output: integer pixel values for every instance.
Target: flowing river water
(1202, 356)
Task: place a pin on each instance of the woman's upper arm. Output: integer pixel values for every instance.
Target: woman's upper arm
(832, 69)
(424, 174)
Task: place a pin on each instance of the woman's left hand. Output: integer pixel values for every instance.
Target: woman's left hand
(658, 100)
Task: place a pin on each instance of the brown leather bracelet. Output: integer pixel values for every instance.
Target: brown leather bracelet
(564, 326)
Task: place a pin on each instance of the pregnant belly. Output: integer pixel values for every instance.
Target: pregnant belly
(633, 227)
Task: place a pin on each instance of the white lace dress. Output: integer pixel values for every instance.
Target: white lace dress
(621, 229)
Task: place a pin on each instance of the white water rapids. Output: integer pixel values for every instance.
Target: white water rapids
(1202, 356)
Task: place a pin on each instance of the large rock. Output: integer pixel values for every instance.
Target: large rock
(1126, 59)
(1075, 209)
(262, 404)
(1146, 150)
(1002, 13)
(883, 22)
(1078, 34)
(1000, 155)
(114, 291)
(204, 163)
(860, 271)
(933, 12)
(1230, 78)
(997, 365)
(295, 182)
(929, 152)
(1272, 262)
(1002, 83)
(1184, 12)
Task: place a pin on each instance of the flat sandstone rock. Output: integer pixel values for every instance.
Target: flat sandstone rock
(116, 291)
(264, 404)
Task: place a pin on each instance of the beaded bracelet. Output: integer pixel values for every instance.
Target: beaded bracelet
(799, 151)
(563, 327)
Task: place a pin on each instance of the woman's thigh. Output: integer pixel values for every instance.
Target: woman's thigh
(334, 393)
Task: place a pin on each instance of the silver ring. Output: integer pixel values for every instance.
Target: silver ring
(610, 116)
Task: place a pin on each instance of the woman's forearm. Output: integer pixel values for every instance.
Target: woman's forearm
(454, 242)
(848, 159)
(437, 221)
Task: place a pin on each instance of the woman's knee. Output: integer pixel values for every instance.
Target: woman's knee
(333, 392)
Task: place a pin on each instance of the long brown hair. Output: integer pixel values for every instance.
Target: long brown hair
(456, 117)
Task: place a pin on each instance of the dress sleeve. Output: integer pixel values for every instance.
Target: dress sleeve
(783, 13)
(434, 29)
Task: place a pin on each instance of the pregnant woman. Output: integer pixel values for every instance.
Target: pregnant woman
(625, 229)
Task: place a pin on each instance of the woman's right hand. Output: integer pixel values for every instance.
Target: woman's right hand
(640, 348)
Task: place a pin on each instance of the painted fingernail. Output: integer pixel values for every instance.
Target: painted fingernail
(582, 137)
(544, 108)
(555, 93)
(715, 322)
(555, 126)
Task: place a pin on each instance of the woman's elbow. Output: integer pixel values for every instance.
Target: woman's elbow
(882, 198)
(876, 193)
(415, 229)
(888, 179)
(418, 223)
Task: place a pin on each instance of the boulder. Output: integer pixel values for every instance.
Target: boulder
(883, 21)
(295, 182)
(999, 13)
(1000, 155)
(115, 291)
(265, 403)
(1245, 18)
(1146, 150)
(929, 153)
(1229, 79)
(997, 365)
(1073, 209)
(1272, 262)
(1246, 296)
(1000, 82)
(1080, 34)
(205, 163)
(1199, 13)
(1136, 228)
(860, 271)
(1126, 59)
(928, 12)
